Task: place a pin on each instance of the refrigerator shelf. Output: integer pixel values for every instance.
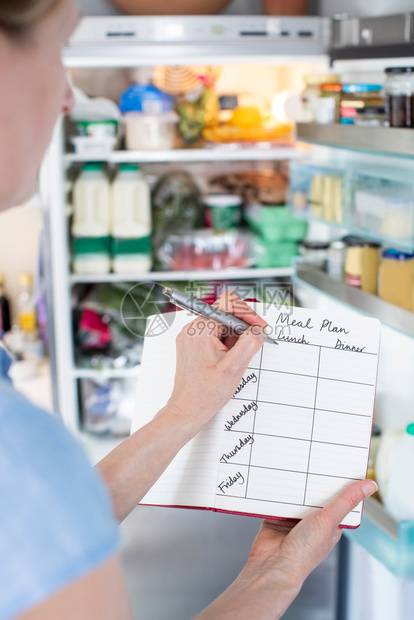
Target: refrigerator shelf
(190, 155)
(376, 140)
(183, 276)
(389, 314)
(389, 541)
(107, 373)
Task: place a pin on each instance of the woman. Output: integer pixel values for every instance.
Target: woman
(59, 543)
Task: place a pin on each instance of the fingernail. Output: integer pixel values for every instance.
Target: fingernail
(369, 488)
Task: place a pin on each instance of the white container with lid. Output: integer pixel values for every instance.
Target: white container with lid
(131, 222)
(311, 92)
(91, 224)
(399, 496)
(150, 131)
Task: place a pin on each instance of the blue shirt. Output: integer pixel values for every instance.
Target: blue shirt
(56, 518)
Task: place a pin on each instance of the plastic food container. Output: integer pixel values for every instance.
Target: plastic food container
(150, 120)
(97, 129)
(150, 131)
(204, 249)
(223, 211)
(311, 93)
(94, 146)
(275, 223)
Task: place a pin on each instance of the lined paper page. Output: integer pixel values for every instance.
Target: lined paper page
(191, 477)
(295, 433)
(298, 429)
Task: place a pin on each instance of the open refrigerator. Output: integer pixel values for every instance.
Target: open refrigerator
(265, 56)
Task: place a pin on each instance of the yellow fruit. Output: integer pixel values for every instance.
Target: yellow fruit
(247, 116)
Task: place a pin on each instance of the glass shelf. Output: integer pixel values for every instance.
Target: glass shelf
(389, 541)
(107, 373)
(176, 276)
(190, 155)
(376, 202)
(389, 314)
(377, 140)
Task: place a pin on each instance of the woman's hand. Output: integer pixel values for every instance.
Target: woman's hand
(210, 364)
(208, 372)
(281, 558)
(298, 548)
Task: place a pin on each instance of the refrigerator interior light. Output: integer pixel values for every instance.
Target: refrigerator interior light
(286, 106)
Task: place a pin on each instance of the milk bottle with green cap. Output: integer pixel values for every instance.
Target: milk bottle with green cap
(90, 227)
(399, 496)
(130, 221)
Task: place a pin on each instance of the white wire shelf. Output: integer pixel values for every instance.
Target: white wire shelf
(175, 276)
(190, 155)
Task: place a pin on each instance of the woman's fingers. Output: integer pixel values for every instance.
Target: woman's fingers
(205, 327)
(315, 536)
(247, 345)
(347, 500)
(232, 304)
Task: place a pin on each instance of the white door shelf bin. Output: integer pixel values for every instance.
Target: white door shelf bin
(389, 541)
(377, 202)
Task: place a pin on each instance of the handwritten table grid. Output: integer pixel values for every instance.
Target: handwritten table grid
(308, 443)
(297, 429)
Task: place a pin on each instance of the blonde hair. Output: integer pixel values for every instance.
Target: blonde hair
(17, 17)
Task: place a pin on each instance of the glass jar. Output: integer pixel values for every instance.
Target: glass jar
(362, 263)
(329, 103)
(357, 98)
(396, 278)
(399, 96)
(370, 117)
(315, 253)
(336, 260)
(311, 93)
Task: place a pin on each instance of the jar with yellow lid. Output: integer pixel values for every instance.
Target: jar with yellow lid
(328, 106)
(362, 263)
(396, 278)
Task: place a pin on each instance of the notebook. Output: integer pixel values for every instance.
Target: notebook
(297, 429)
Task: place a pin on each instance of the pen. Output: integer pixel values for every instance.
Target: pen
(209, 312)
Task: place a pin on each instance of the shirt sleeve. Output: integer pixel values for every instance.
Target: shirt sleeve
(56, 517)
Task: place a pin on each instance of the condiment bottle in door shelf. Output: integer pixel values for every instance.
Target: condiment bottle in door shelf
(399, 495)
(131, 224)
(25, 304)
(91, 226)
(5, 323)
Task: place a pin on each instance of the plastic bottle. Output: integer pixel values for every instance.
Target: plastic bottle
(26, 307)
(399, 496)
(4, 309)
(91, 225)
(131, 222)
